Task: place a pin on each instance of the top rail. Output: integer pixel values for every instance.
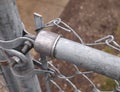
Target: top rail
(51, 44)
(10, 28)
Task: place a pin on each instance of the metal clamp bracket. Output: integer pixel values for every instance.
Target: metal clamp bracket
(45, 43)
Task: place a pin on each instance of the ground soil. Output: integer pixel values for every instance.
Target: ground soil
(92, 19)
(49, 9)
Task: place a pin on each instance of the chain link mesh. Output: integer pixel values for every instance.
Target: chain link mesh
(107, 40)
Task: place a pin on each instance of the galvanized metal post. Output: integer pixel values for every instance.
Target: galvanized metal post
(26, 77)
(11, 28)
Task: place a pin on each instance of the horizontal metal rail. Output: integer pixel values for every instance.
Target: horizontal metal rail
(76, 53)
(88, 58)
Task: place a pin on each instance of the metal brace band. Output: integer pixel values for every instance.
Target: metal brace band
(45, 43)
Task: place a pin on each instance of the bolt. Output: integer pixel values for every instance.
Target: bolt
(16, 60)
(27, 47)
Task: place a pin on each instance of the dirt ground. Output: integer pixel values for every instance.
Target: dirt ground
(49, 9)
(92, 20)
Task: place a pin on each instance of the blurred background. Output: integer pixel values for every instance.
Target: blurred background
(91, 19)
(49, 9)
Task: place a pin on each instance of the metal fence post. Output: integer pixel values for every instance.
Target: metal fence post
(11, 28)
(9, 23)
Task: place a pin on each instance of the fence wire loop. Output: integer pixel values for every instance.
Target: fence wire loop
(53, 22)
(107, 40)
(59, 23)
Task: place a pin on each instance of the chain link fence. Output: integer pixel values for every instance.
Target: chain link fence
(107, 40)
(53, 72)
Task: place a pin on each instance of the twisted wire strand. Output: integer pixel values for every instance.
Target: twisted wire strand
(58, 21)
(60, 89)
(61, 76)
(95, 89)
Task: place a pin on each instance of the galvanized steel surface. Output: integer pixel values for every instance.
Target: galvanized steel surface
(48, 44)
(10, 28)
(45, 42)
(9, 23)
(81, 55)
(88, 58)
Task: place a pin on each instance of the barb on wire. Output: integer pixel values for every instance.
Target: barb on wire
(59, 23)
